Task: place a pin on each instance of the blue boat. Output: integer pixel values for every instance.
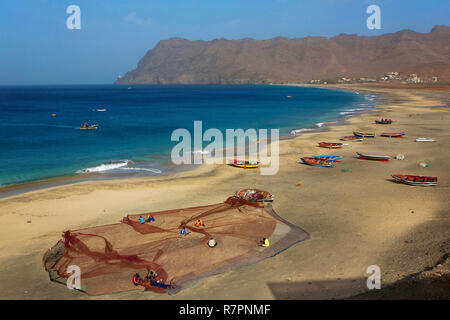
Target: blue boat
(331, 158)
(393, 134)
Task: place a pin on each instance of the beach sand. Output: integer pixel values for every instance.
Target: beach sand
(356, 217)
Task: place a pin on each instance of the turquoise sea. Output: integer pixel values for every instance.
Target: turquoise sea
(134, 135)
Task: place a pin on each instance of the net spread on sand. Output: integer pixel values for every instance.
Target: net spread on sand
(108, 256)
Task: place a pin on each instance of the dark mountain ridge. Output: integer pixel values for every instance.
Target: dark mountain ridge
(281, 59)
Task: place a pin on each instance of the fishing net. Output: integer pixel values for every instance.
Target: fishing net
(108, 256)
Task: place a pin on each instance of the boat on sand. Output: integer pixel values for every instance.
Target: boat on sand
(351, 138)
(393, 134)
(373, 157)
(331, 158)
(425, 140)
(317, 162)
(331, 145)
(415, 180)
(245, 164)
(383, 121)
(364, 134)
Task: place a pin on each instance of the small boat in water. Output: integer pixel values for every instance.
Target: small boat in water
(331, 158)
(101, 110)
(372, 157)
(245, 164)
(317, 162)
(254, 195)
(425, 140)
(89, 127)
(383, 121)
(415, 180)
(351, 138)
(331, 145)
(393, 134)
(363, 134)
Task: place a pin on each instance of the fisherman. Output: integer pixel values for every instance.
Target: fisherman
(137, 279)
(264, 242)
(141, 220)
(199, 223)
(150, 218)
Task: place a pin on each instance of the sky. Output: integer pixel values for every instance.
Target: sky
(36, 47)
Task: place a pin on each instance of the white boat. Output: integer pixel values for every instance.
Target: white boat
(425, 140)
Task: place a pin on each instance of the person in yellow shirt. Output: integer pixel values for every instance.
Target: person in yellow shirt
(264, 242)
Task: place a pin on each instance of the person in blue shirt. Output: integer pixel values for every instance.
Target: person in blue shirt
(141, 220)
(183, 231)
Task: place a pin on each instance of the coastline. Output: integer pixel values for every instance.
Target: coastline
(169, 169)
(330, 265)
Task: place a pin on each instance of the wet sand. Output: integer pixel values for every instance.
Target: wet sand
(357, 217)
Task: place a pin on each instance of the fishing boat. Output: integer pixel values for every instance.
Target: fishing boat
(425, 140)
(101, 110)
(89, 127)
(415, 180)
(329, 145)
(364, 134)
(317, 162)
(254, 195)
(383, 121)
(372, 157)
(331, 158)
(245, 164)
(351, 138)
(393, 134)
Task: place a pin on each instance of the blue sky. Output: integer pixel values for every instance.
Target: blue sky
(37, 48)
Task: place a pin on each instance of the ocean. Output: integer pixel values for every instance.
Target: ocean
(40, 136)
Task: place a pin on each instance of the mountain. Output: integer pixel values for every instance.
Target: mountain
(282, 59)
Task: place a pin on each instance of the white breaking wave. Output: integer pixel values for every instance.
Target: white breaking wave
(117, 165)
(106, 166)
(320, 124)
(294, 132)
(144, 169)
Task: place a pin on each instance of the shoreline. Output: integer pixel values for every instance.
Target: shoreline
(356, 218)
(77, 177)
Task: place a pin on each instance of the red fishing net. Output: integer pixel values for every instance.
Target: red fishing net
(108, 256)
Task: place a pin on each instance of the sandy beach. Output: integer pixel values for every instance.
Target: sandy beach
(356, 217)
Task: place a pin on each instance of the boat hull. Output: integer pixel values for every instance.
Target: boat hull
(415, 180)
(351, 138)
(245, 164)
(393, 135)
(330, 145)
(372, 157)
(364, 134)
(330, 158)
(317, 162)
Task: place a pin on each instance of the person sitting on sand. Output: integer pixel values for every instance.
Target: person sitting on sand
(136, 279)
(150, 218)
(264, 242)
(199, 223)
(141, 220)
